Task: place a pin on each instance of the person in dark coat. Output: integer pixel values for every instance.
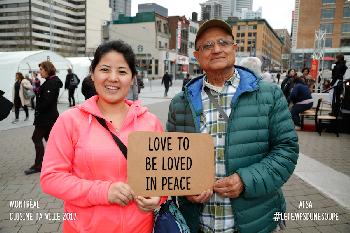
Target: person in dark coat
(288, 83)
(185, 81)
(5, 106)
(337, 81)
(46, 112)
(167, 83)
(301, 99)
(88, 87)
(72, 82)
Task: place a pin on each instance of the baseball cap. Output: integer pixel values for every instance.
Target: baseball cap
(213, 23)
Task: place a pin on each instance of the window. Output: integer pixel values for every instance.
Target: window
(159, 44)
(345, 28)
(328, 43)
(345, 42)
(346, 12)
(328, 27)
(328, 1)
(327, 13)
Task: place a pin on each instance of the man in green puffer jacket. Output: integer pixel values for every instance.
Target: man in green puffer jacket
(256, 147)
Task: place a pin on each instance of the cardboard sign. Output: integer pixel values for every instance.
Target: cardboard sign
(164, 164)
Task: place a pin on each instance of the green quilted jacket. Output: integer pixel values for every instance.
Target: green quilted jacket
(261, 146)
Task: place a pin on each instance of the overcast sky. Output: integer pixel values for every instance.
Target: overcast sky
(278, 13)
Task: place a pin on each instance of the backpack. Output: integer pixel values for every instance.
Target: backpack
(169, 219)
(74, 81)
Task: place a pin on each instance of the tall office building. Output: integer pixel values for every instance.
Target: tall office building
(153, 7)
(42, 24)
(211, 10)
(240, 4)
(120, 7)
(219, 9)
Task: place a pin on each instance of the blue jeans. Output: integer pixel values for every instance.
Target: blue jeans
(299, 108)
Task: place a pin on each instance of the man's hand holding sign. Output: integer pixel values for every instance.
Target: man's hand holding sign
(164, 164)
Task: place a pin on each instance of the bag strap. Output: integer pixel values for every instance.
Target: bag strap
(216, 104)
(120, 144)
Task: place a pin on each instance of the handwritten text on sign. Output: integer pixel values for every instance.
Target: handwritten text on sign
(170, 163)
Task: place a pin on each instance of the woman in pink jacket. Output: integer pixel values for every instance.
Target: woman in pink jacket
(83, 164)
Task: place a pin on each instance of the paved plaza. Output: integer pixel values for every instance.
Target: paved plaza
(320, 184)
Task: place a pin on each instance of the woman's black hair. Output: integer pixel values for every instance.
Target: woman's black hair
(117, 46)
(290, 71)
(305, 68)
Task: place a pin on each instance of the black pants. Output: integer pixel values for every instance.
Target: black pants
(336, 101)
(71, 96)
(40, 133)
(166, 90)
(18, 105)
(299, 108)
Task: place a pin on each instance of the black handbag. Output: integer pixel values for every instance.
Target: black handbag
(5, 106)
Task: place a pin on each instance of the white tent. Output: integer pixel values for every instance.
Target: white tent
(24, 61)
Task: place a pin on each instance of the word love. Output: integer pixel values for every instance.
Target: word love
(165, 143)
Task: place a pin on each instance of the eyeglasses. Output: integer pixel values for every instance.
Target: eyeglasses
(209, 45)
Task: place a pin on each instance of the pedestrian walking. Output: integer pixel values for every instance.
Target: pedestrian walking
(46, 112)
(278, 76)
(88, 87)
(244, 116)
(71, 83)
(19, 98)
(167, 80)
(83, 164)
(185, 81)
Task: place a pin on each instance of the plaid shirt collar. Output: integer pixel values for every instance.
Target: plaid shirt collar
(233, 80)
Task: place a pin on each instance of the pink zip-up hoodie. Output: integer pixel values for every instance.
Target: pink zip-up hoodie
(82, 160)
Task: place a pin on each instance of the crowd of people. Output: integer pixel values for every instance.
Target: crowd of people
(237, 105)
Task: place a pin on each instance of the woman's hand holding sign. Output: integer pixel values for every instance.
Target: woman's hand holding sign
(231, 186)
(147, 203)
(120, 193)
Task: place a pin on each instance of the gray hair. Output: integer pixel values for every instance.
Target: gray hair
(252, 63)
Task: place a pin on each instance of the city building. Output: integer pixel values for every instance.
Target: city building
(250, 14)
(211, 10)
(287, 45)
(43, 25)
(332, 17)
(179, 29)
(66, 27)
(153, 7)
(257, 38)
(98, 13)
(243, 4)
(194, 68)
(119, 7)
(148, 34)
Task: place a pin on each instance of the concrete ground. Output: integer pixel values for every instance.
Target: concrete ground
(319, 184)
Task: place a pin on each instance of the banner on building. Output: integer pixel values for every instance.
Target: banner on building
(314, 69)
(178, 35)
